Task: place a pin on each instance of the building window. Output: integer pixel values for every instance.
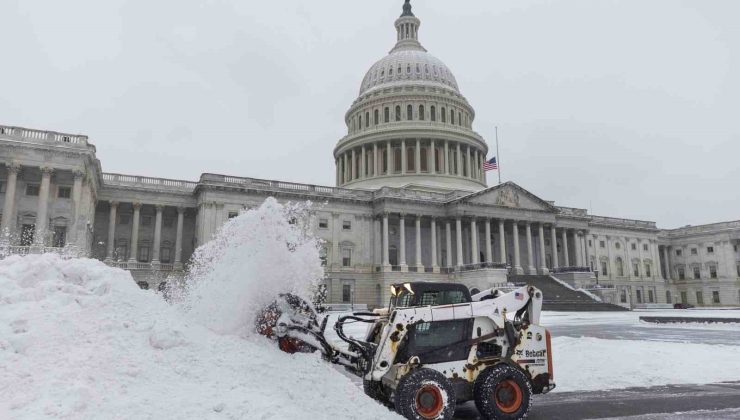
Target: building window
(346, 293)
(410, 112)
(60, 237)
(32, 190)
(636, 269)
(323, 223)
(715, 296)
(602, 244)
(387, 115)
(346, 225)
(590, 244)
(452, 116)
(623, 296)
(459, 119)
(734, 247)
(697, 273)
(421, 113)
(604, 271)
(684, 297)
(146, 220)
(620, 267)
(367, 119)
(27, 234)
(712, 272)
(376, 119)
(647, 270)
(165, 255)
(433, 113)
(169, 222)
(323, 256)
(64, 192)
(639, 296)
(143, 253)
(694, 251)
(443, 114)
(710, 250)
(678, 252)
(346, 257)
(233, 214)
(634, 247)
(360, 124)
(2, 187)
(699, 298)
(681, 274)
(651, 297)
(398, 113)
(644, 247)
(617, 245)
(668, 296)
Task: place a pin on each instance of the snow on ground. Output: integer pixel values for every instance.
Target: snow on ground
(80, 340)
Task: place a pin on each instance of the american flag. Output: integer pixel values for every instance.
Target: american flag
(491, 165)
(518, 296)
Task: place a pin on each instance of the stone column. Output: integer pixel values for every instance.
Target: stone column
(543, 258)
(447, 160)
(432, 161)
(469, 162)
(353, 166)
(389, 158)
(657, 270)
(517, 260)
(375, 159)
(76, 199)
(337, 177)
(530, 249)
(386, 257)
(502, 241)
(566, 257)
(458, 172)
(458, 232)
(135, 233)
(363, 164)
(475, 256)
(178, 238)
(345, 168)
(404, 166)
(419, 263)
(157, 233)
(402, 245)
(417, 157)
(489, 255)
(554, 244)
(435, 266)
(586, 251)
(111, 230)
(42, 214)
(8, 222)
(448, 243)
(668, 275)
(579, 249)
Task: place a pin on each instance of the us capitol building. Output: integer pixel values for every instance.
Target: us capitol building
(410, 203)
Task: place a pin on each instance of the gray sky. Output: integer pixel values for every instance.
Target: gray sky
(627, 107)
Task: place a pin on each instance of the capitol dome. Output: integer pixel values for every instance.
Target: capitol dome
(410, 126)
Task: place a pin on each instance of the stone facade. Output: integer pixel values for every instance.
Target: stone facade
(411, 203)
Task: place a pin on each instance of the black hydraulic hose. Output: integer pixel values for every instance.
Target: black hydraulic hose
(365, 348)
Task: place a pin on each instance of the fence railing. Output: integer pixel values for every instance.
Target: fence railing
(40, 135)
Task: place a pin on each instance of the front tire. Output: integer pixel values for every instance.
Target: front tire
(376, 391)
(425, 394)
(503, 392)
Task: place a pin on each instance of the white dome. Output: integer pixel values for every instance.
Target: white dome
(408, 66)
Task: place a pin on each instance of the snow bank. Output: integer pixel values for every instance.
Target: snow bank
(590, 364)
(80, 340)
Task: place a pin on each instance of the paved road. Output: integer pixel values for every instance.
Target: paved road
(715, 401)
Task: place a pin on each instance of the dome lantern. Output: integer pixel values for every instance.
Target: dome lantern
(407, 28)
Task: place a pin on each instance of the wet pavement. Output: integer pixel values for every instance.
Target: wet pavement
(713, 401)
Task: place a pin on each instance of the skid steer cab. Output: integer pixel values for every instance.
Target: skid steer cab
(435, 346)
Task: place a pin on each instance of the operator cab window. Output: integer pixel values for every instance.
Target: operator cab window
(448, 297)
(435, 342)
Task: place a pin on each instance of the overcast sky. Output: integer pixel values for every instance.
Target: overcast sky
(628, 108)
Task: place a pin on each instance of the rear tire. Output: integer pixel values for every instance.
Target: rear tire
(376, 391)
(425, 394)
(503, 392)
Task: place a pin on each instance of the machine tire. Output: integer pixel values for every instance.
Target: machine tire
(376, 391)
(503, 392)
(425, 394)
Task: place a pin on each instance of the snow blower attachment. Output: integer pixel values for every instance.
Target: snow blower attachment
(434, 346)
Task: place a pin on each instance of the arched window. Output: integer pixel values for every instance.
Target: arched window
(408, 69)
(393, 255)
(387, 115)
(452, 116)
(390, 72)
(410, 159)
(165, 252)
(459, 118)
(424, 161)
(398, 113)
(376, 120)
(668, 296)
(433, 113)
(620, 267)
(367, 119)
(421, 112)
(360, 119)
(409, 112)
(444, 115)
(399, 70)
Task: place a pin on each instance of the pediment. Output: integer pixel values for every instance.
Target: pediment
(508, 195)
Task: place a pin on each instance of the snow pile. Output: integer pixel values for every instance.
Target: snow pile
(80, 340)
(592, 364)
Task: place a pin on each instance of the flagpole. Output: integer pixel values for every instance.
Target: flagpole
(498, 158)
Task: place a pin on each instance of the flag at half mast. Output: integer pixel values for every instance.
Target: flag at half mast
(490, 165)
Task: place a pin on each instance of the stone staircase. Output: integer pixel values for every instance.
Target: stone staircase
(560, 298)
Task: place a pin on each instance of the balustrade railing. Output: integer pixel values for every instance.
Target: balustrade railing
(136, 265)
(571, 270)
(412, 125)
(40, 135)
(147, 182)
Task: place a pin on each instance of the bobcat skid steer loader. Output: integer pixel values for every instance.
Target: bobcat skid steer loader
(434, 346)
